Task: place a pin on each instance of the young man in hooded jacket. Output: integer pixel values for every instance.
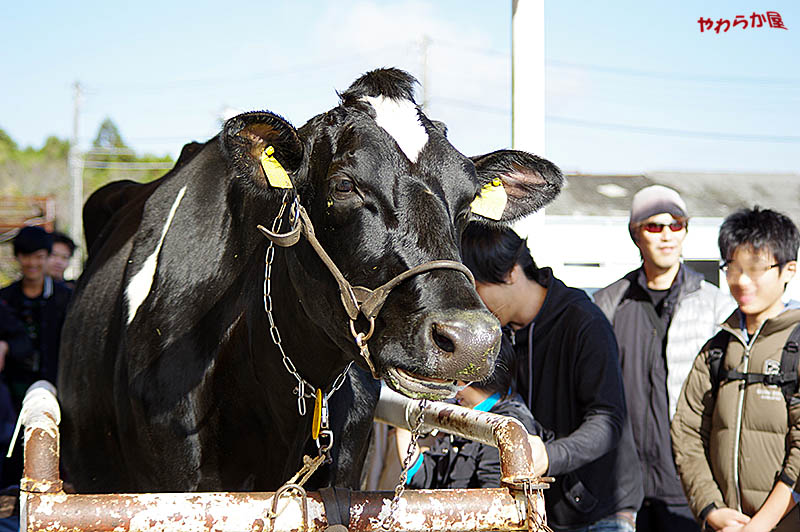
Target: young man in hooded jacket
(569, 376)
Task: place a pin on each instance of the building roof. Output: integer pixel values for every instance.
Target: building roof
(706, 194)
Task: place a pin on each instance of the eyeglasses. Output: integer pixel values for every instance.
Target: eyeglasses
(733, 271)
(674, 226)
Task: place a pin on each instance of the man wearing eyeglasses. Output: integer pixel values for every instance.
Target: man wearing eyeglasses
(736, 432)
(662, 313)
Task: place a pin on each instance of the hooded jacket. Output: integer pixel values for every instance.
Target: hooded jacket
(570, 376)
(731, 449)
(653, 374)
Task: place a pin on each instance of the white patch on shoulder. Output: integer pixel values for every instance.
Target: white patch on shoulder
(400, 119)
(141, 283)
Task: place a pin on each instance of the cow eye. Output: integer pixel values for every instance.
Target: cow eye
(344, 186)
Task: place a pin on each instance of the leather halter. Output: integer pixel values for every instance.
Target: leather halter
(354, 298)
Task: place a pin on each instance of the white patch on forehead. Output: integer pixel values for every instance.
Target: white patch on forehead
(400, 119)
(141, 283)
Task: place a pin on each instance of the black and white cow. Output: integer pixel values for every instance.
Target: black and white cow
(169, 377)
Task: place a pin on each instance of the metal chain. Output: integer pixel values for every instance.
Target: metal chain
(535, 522)
(389, 521)
(302, 384)
(300, 390)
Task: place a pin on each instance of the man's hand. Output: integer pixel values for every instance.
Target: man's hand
(779, 503)
(726, 519)
(540, 460)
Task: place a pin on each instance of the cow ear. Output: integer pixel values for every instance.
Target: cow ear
(247, 139)
(514, 184)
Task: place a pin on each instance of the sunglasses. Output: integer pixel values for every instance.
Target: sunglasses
(653, 227)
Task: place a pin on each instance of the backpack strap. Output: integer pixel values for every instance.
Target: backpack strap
(786, 378)
(717, 348)
(789, 361)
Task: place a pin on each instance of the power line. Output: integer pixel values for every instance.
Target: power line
(99, 165)
(464, 104)
(713, 135)
(473, 49)
(224, 81)
(673, 76)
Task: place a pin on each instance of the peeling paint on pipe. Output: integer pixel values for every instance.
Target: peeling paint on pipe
(45, 507)
(505, 433)
(419, 510)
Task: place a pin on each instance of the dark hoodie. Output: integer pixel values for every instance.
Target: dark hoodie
(574, 388)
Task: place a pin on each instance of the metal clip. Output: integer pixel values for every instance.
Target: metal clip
(324, 425)
(324, 448)
(273, 513)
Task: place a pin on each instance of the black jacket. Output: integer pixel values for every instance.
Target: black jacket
(572, 382)
(42, 361)
(641, 331)
(13, 332)
(454, 462)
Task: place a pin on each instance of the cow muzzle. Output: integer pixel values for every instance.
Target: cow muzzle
(459, 346)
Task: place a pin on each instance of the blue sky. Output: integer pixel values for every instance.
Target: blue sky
(631, 86)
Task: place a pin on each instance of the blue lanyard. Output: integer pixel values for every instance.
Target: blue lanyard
(488, 403)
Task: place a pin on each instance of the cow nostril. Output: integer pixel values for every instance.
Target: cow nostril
(443, 342)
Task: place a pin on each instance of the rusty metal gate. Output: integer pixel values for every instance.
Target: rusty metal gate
(519, 505)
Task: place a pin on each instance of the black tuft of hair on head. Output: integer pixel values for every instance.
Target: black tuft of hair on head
(61, 238)
(389, 82)
(32, 238)
(491, 252)
(759, 229)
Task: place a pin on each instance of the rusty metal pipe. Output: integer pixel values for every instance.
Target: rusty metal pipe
(40, 414)
(419, 510)
(505, 433)
(45, 507)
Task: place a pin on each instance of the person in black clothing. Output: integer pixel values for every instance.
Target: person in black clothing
(14, 345)
(570, 377)
(41, 305)
(455, 462)
(60, 255)
(662, 313)
(14, 341)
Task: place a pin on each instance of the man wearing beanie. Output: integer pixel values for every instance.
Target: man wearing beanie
(41, 305)
(662, 313)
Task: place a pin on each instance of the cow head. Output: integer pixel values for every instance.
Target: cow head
(386, 191)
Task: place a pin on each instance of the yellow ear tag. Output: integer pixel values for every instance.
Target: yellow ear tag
(276, 175)
(491, 200)
(317, 421)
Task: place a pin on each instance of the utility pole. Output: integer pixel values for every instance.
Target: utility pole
(527, 76)
(424, 46)
(527, 97)
(75, 162)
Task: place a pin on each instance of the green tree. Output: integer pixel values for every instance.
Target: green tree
(112, 160)
(108, 136)
(7, 146)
